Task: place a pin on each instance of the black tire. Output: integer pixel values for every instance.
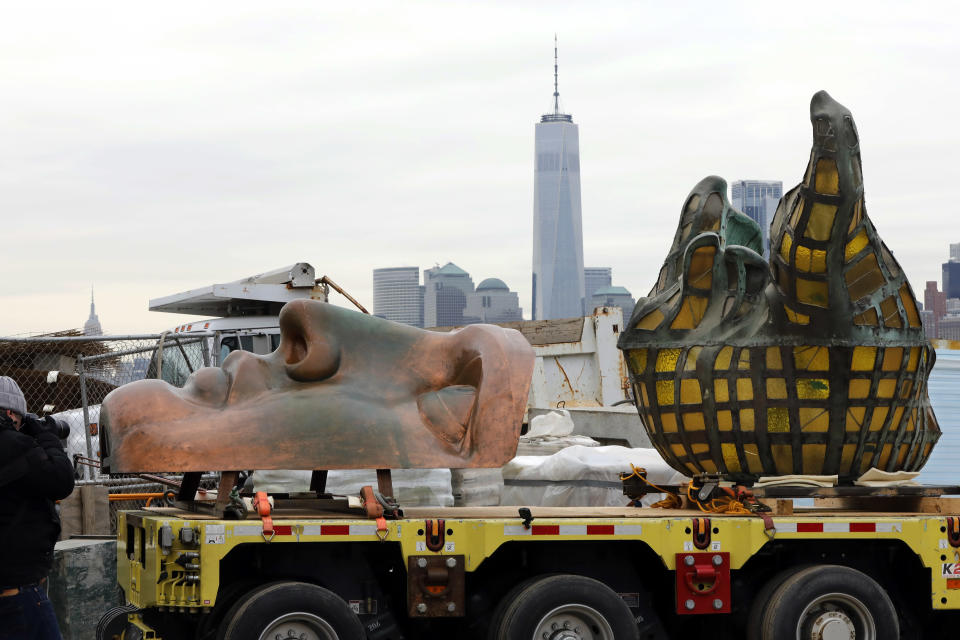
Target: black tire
(504, 604)
(299, 605)
(564, 599)
(830, 595)
(762, 598)
(113, 622)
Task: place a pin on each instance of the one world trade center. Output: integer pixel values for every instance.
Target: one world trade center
(558, 287)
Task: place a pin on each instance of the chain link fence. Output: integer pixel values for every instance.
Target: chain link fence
(68, 374)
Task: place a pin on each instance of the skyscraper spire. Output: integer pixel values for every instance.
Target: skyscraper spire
(92, 326)
(556, 116)
(556, 90)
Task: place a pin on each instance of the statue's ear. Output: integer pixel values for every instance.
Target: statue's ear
(310, 352)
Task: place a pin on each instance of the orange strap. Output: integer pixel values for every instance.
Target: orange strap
(261, 505)
(370, 503)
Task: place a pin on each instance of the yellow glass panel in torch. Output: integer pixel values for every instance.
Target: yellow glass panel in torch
(867, 318)
(782, 457)
(885, 388)
(811, 358)
(744, 389)
(778, 420)
(814, 419)
(776, 388)
(910, 306)
(744, 361)
(691, 312)
(820, 222)
(813, 292)
(827, 179)
(892, 357)
(803, 258)
(690, 391)
(700, 273)
(797, 212)
(774, 361)
(753, 458)
(859, 388)
(864, 277)
(891, 313)
(914, 359)
(813, 457)
(720, 391)
(819, 261)
(856, 217)
(813, 389)
(746, 420)
(650, 321)
(691, 362)
(794, 317)
(878, 418)
(723, 358)
(730, 458)
(864, 358)
(785, 245)
(667, 360)
(669, 421)
(724, 420)
(855, 246)
(638, 360)
(855, 418)
(693, 421)
(664, 392)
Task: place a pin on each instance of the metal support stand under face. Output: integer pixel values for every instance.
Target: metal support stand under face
(385, 483)
(318, 481)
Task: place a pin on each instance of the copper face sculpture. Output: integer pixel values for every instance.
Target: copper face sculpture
(343, 390)
(813, 363)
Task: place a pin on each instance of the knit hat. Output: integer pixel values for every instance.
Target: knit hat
(11, 397)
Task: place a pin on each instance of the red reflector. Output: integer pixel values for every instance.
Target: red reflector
(545, 530)
(809, 527)
(600, 530)
(283, 530)
(953, 583)
(863, 527)
(334, 529)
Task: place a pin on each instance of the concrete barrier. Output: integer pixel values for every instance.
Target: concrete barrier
(83, 584)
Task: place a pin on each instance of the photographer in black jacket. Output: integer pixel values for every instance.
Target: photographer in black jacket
(34, 472)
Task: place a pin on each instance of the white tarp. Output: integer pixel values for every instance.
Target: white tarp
(581, 476)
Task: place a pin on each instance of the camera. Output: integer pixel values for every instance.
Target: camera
(48, 423)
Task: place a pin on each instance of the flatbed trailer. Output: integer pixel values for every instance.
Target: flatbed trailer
(573, 573)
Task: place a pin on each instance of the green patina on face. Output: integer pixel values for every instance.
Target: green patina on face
(812, 363)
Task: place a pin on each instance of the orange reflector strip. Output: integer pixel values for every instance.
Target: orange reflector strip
(953, 583)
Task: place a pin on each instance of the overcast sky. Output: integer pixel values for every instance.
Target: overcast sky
(150, 149)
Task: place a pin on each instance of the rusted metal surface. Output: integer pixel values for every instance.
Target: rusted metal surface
(813, 363)
(343, 390)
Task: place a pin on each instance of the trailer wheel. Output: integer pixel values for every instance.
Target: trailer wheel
(291, 610)
(761, 599)
(830, 601)
(566, 607)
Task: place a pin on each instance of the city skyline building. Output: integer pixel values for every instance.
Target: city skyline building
(92, 326)
(558, 278)
(758, 199)
(445, 292)
(951, 279)
(596, 278)
(492, 302)
(613, 297)
(398, 296)
(955, 252)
